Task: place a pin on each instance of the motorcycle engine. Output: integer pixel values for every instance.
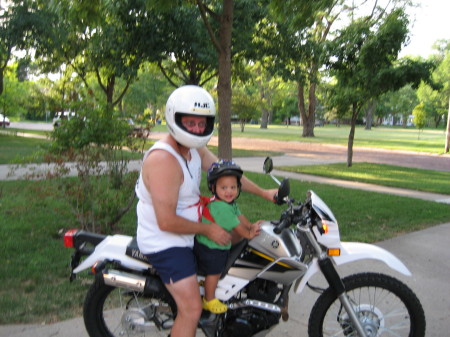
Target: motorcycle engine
(247, 322)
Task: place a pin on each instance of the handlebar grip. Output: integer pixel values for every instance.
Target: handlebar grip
(283, 225)
(278, 201)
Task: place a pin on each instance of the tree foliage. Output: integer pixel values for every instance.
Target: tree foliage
(293, 38)
(364, 64)
(419, 117)
(246, 105)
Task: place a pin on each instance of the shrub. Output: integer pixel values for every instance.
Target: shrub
(94, 145)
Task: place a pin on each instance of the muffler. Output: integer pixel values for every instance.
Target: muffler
(120, 279)
(149, 285)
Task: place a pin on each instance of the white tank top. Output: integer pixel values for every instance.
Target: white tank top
(150, 238)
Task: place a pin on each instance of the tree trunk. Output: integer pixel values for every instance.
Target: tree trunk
(447, 139)
(264, 118)
(307, 118)
(351, 136)
(1, 80)
(369, 114)
(264, 111)
(224, 81)
(242, 123)
(110, 90)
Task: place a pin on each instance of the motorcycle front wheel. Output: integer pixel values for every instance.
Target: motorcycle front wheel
(384, 305)
(114, 312)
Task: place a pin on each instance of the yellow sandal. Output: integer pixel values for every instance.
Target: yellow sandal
(215, 306)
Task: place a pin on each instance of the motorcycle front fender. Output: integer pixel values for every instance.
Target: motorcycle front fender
(112, 248)
(351, 252)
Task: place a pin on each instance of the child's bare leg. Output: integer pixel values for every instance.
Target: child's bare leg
(211, 282)
(210, 302)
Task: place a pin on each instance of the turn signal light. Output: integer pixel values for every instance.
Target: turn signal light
(334, 251)
(68, 238)
(325, 228)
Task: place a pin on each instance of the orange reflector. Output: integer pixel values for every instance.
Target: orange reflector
(68, 238)
(94, 268)
(334, 251)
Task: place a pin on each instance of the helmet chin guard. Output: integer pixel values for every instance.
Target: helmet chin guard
(190, 100)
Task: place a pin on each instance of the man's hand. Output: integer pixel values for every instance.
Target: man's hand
(218, 234)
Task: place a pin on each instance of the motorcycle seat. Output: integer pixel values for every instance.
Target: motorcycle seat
(134, 252)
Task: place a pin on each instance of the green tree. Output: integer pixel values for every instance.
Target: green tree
(17, 22)
(419, 117)
(188, 59)
(435, 96)
(401, 102)
(220, 17)
(293, 38)
(245, 105)
(285, 102)
(109, 39)
(149, 91)
(15, 94)
(364, 65)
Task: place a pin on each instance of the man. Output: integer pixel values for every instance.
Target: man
(169, 189)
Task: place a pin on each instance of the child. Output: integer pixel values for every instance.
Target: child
(224, 181)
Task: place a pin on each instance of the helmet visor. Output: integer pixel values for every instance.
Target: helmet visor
(208, 126)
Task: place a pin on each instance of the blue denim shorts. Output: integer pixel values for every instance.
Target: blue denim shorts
(174, 264)
(210, 261)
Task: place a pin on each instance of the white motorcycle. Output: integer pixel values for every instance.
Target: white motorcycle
(128, 298)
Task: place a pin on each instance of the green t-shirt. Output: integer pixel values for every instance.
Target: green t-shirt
(226, 216)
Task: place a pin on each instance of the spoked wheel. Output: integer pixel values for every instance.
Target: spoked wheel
(114, 312)
(384, 305)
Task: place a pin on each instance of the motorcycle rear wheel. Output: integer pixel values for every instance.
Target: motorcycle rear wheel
(114, 312)
(385, 306)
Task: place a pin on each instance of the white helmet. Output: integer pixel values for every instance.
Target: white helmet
(194, 101)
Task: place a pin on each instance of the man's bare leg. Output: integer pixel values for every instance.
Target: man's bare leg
(186, 294)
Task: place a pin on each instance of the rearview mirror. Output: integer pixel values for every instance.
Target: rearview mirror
(268, 165)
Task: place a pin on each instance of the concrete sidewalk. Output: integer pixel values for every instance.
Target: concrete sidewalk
(255, 164)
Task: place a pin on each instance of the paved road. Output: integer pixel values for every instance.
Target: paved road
(32, 126)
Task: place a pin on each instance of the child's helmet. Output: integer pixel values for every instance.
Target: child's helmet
(194, 101)
(220, 169)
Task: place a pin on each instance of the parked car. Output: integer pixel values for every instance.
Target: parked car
(4, 121)
(60, 116)
(318, 122)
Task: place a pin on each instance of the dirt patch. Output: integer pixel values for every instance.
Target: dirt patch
(428, 161)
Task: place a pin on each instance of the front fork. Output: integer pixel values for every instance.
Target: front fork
(334, 280)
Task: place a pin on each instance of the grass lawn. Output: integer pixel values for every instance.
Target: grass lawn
(35, 266)
(430, 140)
(379, 174)
(17, 150)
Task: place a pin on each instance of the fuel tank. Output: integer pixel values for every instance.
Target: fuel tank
(270, 256)
(274, 245)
